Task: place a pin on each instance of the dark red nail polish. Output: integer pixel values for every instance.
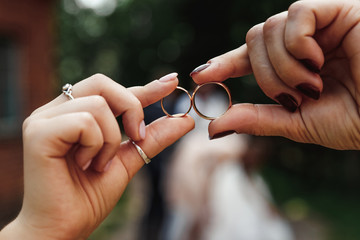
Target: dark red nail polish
(311, 65)
(222, 134)
(287, 101)
(309, 90)
(199, 69)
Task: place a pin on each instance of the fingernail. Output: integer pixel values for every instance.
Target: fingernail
(309, 90)
(106, 168)
(199, 69)
(86, 166)
(222, 134)
(311, 65)
(178, 115)
(168, 78)
(142, 130)
(287, 101)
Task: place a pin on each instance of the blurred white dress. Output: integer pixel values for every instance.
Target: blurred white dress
(208, 187)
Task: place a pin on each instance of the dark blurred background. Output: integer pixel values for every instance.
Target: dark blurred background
(44, 44)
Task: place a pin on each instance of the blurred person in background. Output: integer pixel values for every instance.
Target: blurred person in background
(213, 189)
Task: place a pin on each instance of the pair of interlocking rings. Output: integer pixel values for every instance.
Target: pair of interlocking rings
(193, 101)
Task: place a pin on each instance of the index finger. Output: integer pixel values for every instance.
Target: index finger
(235, 63)
(121, 101)
(155, 90)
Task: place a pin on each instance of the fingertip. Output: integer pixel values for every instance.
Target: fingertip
(199, 69)
(309, 90)
(221, 134)
(142, 130)
(213, 71)
(235, 63)
(101, 161)
(155, 90)
(133, 123)
(190, 122)
(107, 166)
(172, 127)
(83, 158)
(168, 78)
(186, 123)
(107, 152)
(86, 165)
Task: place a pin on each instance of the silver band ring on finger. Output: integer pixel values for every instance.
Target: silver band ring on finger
(146, 159)
(67, 90)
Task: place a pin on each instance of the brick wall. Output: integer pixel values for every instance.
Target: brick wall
(29, 24)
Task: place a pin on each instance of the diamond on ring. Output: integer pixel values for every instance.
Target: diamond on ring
(141, 152)
(67, 90)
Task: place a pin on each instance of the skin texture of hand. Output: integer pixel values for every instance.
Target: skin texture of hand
(75, 165)
(307, 59)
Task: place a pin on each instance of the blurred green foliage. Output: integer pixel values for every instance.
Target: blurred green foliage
(142, 40)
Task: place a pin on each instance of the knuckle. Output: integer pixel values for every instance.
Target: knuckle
(296, 8)
(26, 123)
(31, 128)
(98, 102)
(112, 144)
(100, 77)
(291, 44)
(134, 102)
(114, 139)
(117, 140)
(254, 33)
(87, 120)
(137, 103)
(270, 24)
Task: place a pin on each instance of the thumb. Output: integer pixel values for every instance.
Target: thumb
(260, 120)
(235, 63)
(160, 134)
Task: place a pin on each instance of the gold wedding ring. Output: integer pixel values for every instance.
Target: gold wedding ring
(193, 101)
(178, 115)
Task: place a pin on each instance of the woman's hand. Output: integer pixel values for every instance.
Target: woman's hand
(306, 59)
(76, 167)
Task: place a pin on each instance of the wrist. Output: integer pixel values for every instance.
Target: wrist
(14, 231)
(25, 226)
(18, 229)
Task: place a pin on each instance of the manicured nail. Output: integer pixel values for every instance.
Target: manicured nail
(287, 101)
(142, 130)
(311, 65)
(221, 134)
(199, 69)
(309, 90)
(168, 78)
(106, 168)
(178, 115)
(86, 166)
